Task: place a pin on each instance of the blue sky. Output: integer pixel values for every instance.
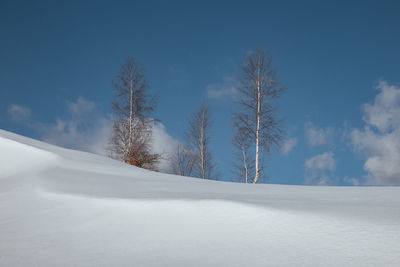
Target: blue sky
(58, 60)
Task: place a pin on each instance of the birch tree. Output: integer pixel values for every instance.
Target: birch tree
(132, 129)
(198, 139)
(244, 167)
(182, 161)
(256, 121)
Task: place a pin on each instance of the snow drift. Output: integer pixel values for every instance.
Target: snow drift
(61, 207)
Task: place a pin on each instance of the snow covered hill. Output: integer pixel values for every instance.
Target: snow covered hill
(60, 207)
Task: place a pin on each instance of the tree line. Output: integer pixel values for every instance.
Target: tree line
(256, 127)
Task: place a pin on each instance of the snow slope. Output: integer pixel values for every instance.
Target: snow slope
(61, 207)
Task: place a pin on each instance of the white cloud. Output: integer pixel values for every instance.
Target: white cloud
(319, 169)
(379, 140)
(218, 91)
(318, 136)
(164, 144)
(352, 181)
(85, 130)
(18, 113)
(288, 145)
(321, 162)
(384, 113)
(81, 106)
(74, 134)
(225, 89)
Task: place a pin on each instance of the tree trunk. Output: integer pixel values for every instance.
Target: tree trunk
(258, 122)
(245, 165)
(257, 144)
(203, 172)
(255, 122)
(131, 116)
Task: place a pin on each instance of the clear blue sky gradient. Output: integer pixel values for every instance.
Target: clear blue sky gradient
(329, 53)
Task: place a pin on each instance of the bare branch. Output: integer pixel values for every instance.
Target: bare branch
(198, 140)
(132, 128)
(256, 122)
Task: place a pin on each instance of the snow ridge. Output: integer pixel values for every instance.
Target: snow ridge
(60, 207)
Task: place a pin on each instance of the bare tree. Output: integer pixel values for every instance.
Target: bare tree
(198, 139)
(259, 89)
(244, 167)
(132, 128)
(182, 162)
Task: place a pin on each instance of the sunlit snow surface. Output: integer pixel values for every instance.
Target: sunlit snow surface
(60, 207)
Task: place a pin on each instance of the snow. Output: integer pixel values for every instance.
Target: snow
(60, 207)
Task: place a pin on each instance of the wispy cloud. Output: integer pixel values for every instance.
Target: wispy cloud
(352, 181)
(81, 106)
(18, 113)
(164, 144)
(225, 89)
(288, 145)
(319, 169)
(384, 113)
(380, 138)
(220, 92)
(85, 129)
(318, 136)
(92, 137)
